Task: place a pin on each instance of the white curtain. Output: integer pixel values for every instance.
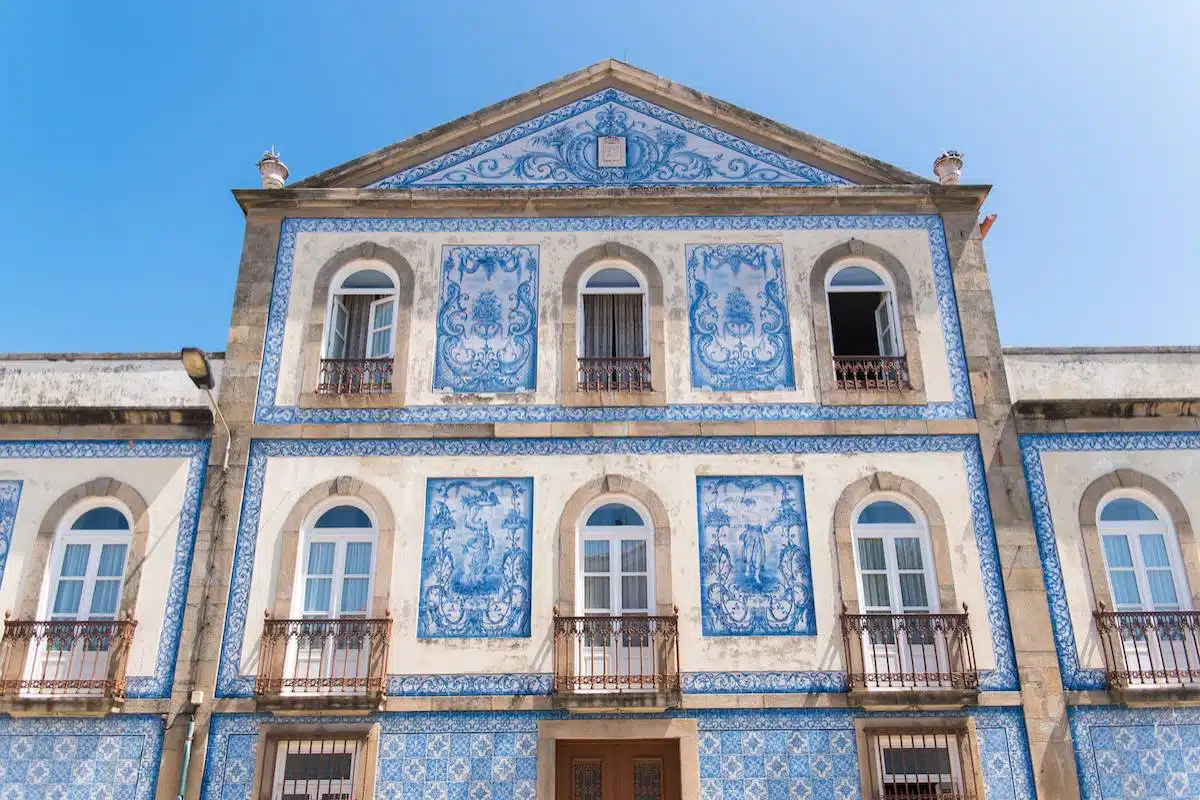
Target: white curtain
(613, 326)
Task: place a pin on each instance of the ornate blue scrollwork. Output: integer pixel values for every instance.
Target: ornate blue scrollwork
(487, 320)
(755, 573)
(476, 559)
(740, 336)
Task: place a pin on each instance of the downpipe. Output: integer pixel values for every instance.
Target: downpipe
(187, 754)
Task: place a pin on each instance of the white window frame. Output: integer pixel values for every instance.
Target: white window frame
(96, 541)
(343, 787)
(614, 534)
(1133, 531)
(641, 289)
(888, 290)
(336, 292)
(340, 538)
(889, 532)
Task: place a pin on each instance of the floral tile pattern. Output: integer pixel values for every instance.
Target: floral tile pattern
(1152, 753)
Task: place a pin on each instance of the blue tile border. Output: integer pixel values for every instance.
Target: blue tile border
(266, 412)
(232, 684)
(10, 499)
(157, 685)
(1074, 676)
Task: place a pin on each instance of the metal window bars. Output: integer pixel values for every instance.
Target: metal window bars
(907, 764)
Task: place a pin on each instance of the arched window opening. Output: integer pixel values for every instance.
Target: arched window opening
(614, 347)
(360, 333)
(868, 350)
(89, 559)
(339, 560)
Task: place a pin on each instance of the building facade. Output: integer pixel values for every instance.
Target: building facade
(611, 442)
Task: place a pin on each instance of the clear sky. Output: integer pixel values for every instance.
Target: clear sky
(123, 130)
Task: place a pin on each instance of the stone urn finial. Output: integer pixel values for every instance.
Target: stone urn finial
(948, 167)
(274, 172)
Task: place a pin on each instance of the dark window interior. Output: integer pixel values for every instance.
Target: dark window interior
(852, 319)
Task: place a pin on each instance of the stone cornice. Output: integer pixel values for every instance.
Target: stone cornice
(1105, 409)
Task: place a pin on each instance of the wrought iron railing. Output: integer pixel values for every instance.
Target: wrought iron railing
(66, 658)
(355, 376)
(914, 652)
(1150, 648)
(614, 374)
(324, 657)
(616, 654)
(871, 373)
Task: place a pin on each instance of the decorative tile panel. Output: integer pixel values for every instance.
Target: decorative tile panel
(755, 573)
(737, 310)
(1151, 753)
(157, 685)
(10, 497)
(645, 144)
(487, 320)
(1074, 675)
(267, 412)
(230, 683)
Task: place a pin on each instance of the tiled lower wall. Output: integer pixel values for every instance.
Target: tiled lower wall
(115, 758)
(744, 755)
(1150, 753)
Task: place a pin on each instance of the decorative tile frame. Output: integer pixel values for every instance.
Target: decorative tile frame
(110, 758)
(267, 412)
(1136, 752)
(740, 341)
(768, 536)
(157, 685)
(558, 149)
(468, 574)
(10, 498)
(232, 684)
(1074, 676)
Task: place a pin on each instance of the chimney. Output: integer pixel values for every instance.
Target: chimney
(274, 172)
(948, 167)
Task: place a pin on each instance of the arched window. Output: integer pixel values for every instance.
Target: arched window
(1141, 556)
(862, 313)
(338, 563)
(893, 560)
(88, 564)
(614, 346)
(360, 331)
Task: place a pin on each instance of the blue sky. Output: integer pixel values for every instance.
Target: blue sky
(124, 131)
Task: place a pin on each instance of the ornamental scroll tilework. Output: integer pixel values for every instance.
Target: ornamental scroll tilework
(561, 148)
(477, 558)
(755, 574)
(1151, 753)
(737, 310)
(10, 497)
(487, 320)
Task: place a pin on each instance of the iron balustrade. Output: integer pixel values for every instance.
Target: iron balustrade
(616, 654)
(355, 376)
(914, 652)
(1150, 648)
(614, 374)
(871, 373)
(324, 657)
(65, 658)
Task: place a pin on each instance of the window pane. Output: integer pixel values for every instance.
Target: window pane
(596, 594)
(316, 595)
(612, 278)
(67, 597)
(595, 556)
(912, 591)
(885, 512)
(320, 558)
(344, 517)
(101, 519)
(635, 594)
(75, 558)
(1125, 590)
(875, 591)
(112, 561)
(1154, 550)
(633, 555)
(908, 554)
(368, 279)
(870, 554)
(381, 342)
(383, 315)
(354, 595)
(1126, 509)
(317, 767)
(916, 761)
(358, 558)
(1162, 587)
(105, 595)
(856, 276)
(1116, 550)
(614, 514)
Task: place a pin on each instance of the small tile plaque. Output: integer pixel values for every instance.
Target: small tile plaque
(611, 151)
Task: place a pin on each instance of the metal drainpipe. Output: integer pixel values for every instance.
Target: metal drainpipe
(187, 755)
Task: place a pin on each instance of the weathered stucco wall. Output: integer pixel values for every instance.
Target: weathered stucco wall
(1118, 373)
(154, 380)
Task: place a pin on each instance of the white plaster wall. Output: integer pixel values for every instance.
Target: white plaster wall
(673, 479)
(100, 382)
(162, 483)
(1067, 476)
(666, 249)
(1117, 373)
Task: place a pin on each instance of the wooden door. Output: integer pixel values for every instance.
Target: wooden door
(632, 769)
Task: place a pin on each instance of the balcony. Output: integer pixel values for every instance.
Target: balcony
(899, 659)
(342, 662)
(614, 375)
(355, 376)
(871, 373)
(622, 661)
(65, 659)
(1146, 651)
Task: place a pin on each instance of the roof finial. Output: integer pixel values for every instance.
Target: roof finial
(948, 167)
(273, 171)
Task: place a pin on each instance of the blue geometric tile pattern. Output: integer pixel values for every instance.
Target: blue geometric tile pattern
(267, 412)
(232, 684)
(559, 148)
(1151, 753)
(10, 497)
(477, 558)
(737, 308)
(487, 320)
(114, 758)
(1074, 676)
(158, 684)
(755, 571)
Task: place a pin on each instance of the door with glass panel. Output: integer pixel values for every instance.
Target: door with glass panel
(1143, 564)
(337, 567)
(617, 592)
(895, 580)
